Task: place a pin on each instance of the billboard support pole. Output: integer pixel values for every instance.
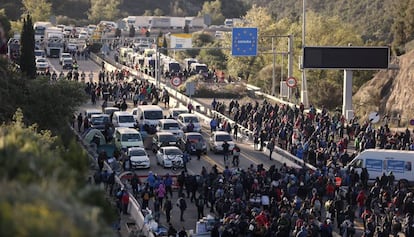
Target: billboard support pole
(304, 86)
(347, 95)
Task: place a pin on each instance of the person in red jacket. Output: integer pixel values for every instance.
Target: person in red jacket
(360, 199)
(125, 202)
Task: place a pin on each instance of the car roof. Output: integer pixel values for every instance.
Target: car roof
(136, 148)
(99, 115)
(170, 148)
(123, 113)
(221, 133)
(187, 115)
(165, 133)
(193, 133)
(88, 111)
(168, 121)
(111, 107)
(126, 130)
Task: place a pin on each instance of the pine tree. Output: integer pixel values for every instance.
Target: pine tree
(27, 47)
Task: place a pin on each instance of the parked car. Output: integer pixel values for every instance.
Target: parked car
(90, 112)
(170, 125)
(67, 63)
(217, 139)
(193, 137)
(161, 139)
(64, 56)
(169, 155)
(42, 64)
(138, 157)
(174, 112)
(185, 119)
(99, 121)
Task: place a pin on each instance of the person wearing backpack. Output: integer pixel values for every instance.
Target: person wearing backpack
(146, 195)
(181, 203)
(200, 207)
(236, 154)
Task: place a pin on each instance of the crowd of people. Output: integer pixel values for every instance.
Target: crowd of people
(314, 136)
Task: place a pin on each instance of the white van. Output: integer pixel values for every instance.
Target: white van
(127, 137)
(149, 115)
(123, 119)
(379, 161)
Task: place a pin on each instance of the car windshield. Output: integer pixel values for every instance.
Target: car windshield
(195, 137)
(110, 111)
(126, 119)
(171, 126)
(100, 120)
(131, 137)
(173, 152)
(167, 138)
(41, 60)
(222, 138)
(137, 153)
(155, 114)
(190, 119)
(178, 112)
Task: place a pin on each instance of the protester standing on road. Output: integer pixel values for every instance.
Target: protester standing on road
(80, 120)
(182, 204)
(226, 151)
(199, 148)
(236, 154)
(167, 208)
(271, 147)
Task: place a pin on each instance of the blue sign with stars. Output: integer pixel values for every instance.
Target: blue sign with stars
(244, 42)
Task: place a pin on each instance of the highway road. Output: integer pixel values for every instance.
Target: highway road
(248, 154)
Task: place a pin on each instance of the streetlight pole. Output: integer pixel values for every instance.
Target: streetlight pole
(304, 92)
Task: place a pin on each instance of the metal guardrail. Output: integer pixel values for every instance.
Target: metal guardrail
(205, 114)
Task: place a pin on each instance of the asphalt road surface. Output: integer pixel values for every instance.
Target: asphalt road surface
(248, 156)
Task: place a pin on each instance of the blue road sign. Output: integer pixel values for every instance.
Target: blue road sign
(244, 42)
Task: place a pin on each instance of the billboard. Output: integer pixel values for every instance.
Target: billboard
(370, 58)
(178, 41)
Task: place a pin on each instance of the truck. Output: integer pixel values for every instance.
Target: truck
(195, 22)
(54, 42)
(40, 29)
(177, 22)
(381, 161)
(160, 22)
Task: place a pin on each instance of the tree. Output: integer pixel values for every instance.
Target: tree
(42, 187)
(39, 10)
(104, 10)
(215, 56)
(35, 97)
(131, 31)
(27, 42)
(158, 12)
(214, 10)
(4, 21)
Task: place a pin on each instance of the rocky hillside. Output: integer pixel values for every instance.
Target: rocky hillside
(389, 92)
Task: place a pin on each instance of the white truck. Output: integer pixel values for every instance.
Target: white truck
(379, 161)
(177, 22)
(54, 42)
(160, 22)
